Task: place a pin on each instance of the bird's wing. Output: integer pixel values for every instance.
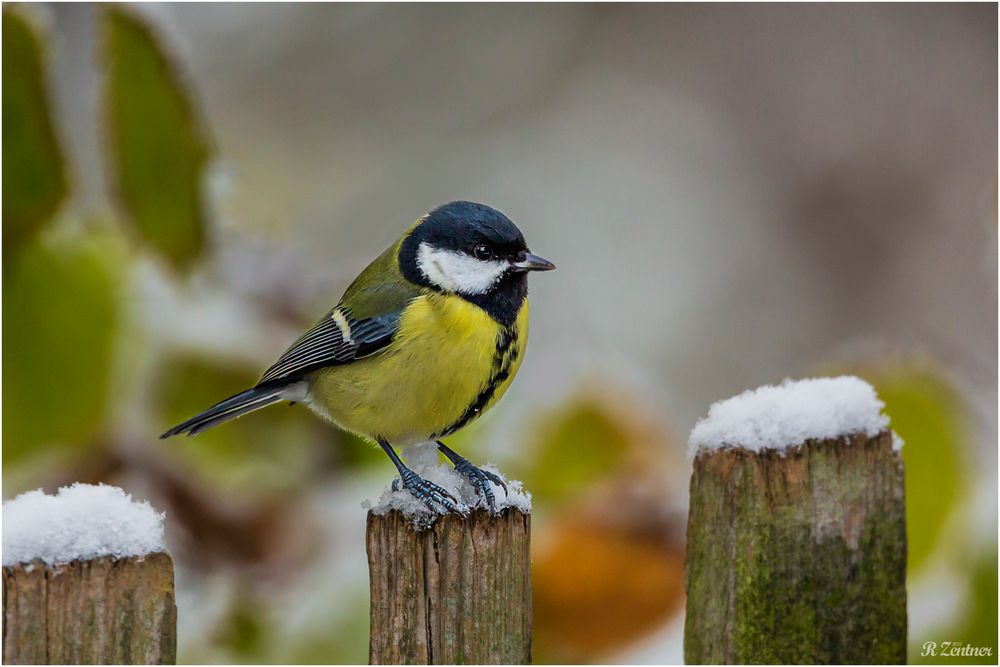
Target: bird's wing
(363, 323)
(336, 339)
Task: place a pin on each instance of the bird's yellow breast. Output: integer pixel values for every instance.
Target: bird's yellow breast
(449, 363)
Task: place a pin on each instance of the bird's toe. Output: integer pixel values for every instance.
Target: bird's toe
(429, 493)
(481, 482)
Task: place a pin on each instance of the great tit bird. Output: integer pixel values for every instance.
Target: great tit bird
(425, 340)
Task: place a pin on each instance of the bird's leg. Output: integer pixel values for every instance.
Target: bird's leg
(480, 478)
(420, 488)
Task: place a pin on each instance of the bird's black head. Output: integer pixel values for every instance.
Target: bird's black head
(473, 251)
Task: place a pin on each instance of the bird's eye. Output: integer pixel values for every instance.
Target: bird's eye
(482, 252)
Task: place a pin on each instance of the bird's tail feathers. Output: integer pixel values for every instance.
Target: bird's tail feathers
(233, 407)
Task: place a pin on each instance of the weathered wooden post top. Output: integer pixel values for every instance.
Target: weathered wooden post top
(796, 546)
(86, 580)
(447, 588)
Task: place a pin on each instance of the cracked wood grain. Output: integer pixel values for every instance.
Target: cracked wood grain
(456, 593)
(798, 558)
(100, 611)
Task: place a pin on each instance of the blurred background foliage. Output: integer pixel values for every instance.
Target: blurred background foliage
(733, 195)
(158, 154)
(34, 190)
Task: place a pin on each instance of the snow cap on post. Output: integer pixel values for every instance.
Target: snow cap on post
(80, 522)
(787, 415)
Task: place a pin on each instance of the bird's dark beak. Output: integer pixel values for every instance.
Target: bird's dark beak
(529, 262)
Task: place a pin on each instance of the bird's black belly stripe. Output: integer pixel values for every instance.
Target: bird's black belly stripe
(503, 359)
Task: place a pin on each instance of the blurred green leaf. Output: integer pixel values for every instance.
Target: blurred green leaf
(61, 314)
(157, 150)
(581, 444)
(34, 181)
(980, 626)
(925, 412)
(268, 451)
(244, 631)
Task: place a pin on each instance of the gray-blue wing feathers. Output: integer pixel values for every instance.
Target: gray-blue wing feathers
(336, 339)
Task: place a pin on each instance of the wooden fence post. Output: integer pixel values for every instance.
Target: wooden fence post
(99, 611)
(458, 592)
(797, 556)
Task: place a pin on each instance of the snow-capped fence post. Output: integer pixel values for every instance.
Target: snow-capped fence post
(458, 592)
(796, 546)
(86, 580)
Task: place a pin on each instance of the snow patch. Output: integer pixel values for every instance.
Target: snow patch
(424, 460)
(784, 416)
(80, 522)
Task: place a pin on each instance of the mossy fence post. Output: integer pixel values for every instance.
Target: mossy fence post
(98, 611)
(797, 556)
(458, 592)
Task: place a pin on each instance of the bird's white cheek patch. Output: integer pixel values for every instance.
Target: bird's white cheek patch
(458, 272)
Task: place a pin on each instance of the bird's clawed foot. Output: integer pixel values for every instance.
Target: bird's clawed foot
(481, 481)
(427, 491)
(480, 478)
